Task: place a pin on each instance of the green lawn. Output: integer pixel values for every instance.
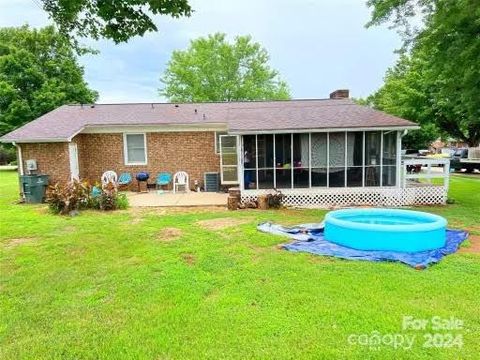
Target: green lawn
(160, 285)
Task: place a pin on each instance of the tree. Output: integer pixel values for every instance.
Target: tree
(38, 72)
(212, 69)
(115, 20)
(445, 54)
(404, 94)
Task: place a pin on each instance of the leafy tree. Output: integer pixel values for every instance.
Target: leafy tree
(404, 94)
(38, 72)
(212, 69)
(115, 20)
(444, 57)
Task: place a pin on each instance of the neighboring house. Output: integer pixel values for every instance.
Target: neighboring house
(326, 151)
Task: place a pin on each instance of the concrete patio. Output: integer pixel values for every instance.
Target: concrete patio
(155, 198)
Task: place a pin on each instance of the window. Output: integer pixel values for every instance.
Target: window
(217, 140)
(135, 149)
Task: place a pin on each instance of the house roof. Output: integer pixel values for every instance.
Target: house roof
(66, 121)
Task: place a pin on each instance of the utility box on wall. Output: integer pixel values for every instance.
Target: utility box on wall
(31, 165)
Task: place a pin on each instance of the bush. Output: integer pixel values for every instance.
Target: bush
(76, 195)
(122, 202)
(108, 197)
(275, 199)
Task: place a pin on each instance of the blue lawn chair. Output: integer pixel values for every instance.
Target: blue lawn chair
(125, 179)
(96, 192)
(163, 179)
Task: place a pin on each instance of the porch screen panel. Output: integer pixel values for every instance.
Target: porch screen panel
(229, 159)
(283, 160)
(265, 161)
(372, 158)
(389, 158)
(250, 162)
(336, 172)
(301, 160)
(319, 159)
(354, 159)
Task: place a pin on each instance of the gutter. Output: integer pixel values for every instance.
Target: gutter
(20, 157)
(320, 130)
(20, 167)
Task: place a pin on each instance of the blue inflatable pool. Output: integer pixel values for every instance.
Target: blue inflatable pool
(386, 229)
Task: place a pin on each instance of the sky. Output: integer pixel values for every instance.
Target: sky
(317, 46)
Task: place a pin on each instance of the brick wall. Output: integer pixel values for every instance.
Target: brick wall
(52, 159)
(193, 152)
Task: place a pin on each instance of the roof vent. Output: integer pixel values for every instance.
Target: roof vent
(92, 106)
(340, 94)
(195, 111)
(176, 105)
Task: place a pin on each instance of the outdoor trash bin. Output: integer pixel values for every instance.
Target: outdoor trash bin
(33, 187)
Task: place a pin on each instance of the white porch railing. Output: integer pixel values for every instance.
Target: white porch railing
(410, 178)
(414, 188)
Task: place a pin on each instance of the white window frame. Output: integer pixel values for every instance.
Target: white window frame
(125, 149)
(217, 138)
(239, 161)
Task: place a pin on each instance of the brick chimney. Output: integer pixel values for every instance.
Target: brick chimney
(340, 94)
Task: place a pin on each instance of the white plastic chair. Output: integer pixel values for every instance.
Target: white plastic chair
(180, 179)
(109, 177)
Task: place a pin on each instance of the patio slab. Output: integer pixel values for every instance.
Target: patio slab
(168, 199)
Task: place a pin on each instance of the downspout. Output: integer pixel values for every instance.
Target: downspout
(20, 167)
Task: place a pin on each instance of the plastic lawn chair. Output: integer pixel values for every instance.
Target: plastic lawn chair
(180, 179)
(163, 179)
(125, 179)
(96, 191)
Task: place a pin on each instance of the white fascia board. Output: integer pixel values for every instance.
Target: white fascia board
(30, 141)
(106, 129)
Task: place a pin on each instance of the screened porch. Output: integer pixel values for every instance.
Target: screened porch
(319, 160)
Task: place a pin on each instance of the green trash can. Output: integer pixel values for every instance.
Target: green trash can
(34, 187)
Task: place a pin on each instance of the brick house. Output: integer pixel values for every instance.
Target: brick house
(321, 150)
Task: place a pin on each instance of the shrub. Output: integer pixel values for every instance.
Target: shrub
(275, 199)
(75, 195)
(108, 197)
(122, 202)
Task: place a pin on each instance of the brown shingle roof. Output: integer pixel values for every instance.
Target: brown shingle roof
(66, 121)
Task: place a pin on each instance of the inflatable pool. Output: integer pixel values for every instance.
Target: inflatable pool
(386, 229)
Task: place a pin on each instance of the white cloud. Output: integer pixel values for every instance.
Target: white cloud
(317, 46)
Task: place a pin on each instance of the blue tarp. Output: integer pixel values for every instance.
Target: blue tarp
(309, 238)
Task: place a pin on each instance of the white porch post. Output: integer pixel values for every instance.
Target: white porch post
(399, 172)
(240, 159)
(328, 159)
(256, 161)
(381, 159)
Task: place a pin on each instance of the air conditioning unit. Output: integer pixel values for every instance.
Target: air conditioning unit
(31, 165)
